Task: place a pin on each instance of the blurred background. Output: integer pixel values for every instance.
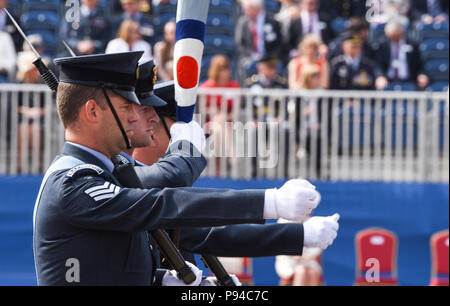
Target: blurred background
(351, 95)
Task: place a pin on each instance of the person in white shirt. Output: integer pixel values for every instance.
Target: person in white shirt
(7, 57)
(129, 39)
(164, 52)
(399, 59)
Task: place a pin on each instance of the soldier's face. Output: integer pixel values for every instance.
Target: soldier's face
(150, 154)
(128, 118)
(351, 49)
(143, 129)
(267, 71)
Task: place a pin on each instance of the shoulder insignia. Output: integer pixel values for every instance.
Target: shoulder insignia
(88, 167)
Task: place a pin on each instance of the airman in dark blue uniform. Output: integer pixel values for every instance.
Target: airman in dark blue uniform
(352, 70)
(88, 229)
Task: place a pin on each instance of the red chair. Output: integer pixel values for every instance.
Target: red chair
(439, 259)
(376, 249)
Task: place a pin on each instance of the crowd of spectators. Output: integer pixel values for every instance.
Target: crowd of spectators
(351, 44)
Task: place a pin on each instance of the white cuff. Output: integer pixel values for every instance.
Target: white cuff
(270, 208)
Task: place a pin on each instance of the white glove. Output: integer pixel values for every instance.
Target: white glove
(209, 282)
(191, 132)
(293, 201)
(212, 281)
(320, 231)
(235, 280)
(170, 277)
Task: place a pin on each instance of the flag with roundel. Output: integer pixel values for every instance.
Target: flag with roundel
(188, 52)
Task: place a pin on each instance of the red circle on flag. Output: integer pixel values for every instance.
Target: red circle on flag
(187, 72)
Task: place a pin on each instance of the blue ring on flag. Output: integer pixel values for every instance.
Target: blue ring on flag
(190, 28)
(185, 113)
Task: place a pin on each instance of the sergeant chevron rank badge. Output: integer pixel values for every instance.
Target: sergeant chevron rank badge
(102, 192)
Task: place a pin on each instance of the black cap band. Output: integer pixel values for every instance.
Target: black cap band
(78, 76)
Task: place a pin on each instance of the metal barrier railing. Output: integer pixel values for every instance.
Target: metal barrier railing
(31, 134)
(318, 135)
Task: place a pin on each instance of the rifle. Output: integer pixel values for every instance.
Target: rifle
(127, 177)
(47, 75)
(216, 267)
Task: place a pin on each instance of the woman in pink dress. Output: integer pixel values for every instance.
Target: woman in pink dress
(312, 52)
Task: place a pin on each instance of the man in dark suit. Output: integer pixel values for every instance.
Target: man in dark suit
(310, 21)
(352, 70)
(398, 59)
(93, 31)
(257, 34)
(429, 11)
(6, 25)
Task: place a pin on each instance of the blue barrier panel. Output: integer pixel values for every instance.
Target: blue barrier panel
(17, 196)
(412, 211)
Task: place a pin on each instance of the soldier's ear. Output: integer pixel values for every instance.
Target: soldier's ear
(91, 111)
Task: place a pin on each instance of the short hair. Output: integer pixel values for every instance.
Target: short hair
(257, 3)
(126, 28)
(71, 97)
(393, 26)
(357, 24)
(218, 62)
